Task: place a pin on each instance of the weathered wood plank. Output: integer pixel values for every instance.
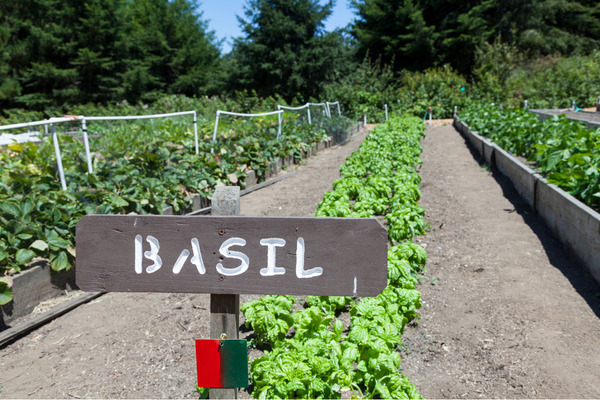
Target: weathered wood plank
(31, 287)
(225, 308)
(352, 253)
(13, 333)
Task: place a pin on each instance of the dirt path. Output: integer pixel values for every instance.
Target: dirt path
(506, 313)
(141, 345)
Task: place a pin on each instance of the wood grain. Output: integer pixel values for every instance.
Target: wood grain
(225, 308)
(345, 248)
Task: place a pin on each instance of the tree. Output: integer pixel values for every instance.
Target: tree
(98, 54)
(9, 84)
(565, 27)
(37, 49)
(394, 31)
(285, 50)
(414, 34)
(60, 52)
(169, 49)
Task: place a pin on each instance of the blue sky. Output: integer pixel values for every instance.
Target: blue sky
(221, 16)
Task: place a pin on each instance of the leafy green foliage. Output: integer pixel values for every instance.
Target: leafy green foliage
(404, 261)
(269, 317)
(330, 304)
(297, 370)
(106, 51)
(396, 31)
(139, 167)
(416, 35)
(364, 91)
(5, 292)
(203, 392)
(285, 49)
(72, 52)
(380, 180)
(316, 356)
(370, 87)
(565, 151)
(439, 88)
(503, 75)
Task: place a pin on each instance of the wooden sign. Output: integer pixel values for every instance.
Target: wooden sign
(231, 255)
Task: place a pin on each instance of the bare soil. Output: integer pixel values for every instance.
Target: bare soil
(506, 311)
(141, 345)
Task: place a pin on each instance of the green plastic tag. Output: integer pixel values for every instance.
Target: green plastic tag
(222, 363)
(234, 363)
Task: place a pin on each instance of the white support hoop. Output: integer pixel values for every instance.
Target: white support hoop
(54, 120)
(307, 106)
(338, 107)
(86, 144)
(35, 123)
(150, 116)
(219, 112)
(61, 172)
(325, 108)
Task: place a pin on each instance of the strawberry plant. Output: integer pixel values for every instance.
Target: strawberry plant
(138, 167)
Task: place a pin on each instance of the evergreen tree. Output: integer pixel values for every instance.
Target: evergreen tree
(99, 56)
(9, 84)
(196, 60)
(38, 51)
(169, 49)
(415, 34)
(285, 49)
(395, 32)
(58, 52)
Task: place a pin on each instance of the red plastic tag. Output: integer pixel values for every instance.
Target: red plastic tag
(222, 363)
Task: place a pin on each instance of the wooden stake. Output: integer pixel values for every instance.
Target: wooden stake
(225, 308)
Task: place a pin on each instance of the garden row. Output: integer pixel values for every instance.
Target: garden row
(144, 168)
(566, 152)
(565, 155)
(313, 353)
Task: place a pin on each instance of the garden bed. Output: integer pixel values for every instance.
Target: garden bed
(574, 223)
(590, 118)
(38, 283)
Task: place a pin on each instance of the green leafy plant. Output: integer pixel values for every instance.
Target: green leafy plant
(316, 356)
(203, 392)
(380, 180)
(269, 317)
(139, 167)
(5, 292)
(566, 152)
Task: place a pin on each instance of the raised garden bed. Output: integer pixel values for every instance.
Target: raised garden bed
(590, 118)
(575, 224)
(39, 283)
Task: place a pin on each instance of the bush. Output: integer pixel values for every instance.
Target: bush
(503, 76)
(366, 91)
(440, 88)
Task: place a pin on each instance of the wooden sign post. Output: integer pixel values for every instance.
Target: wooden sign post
(225, 308)
(227, 255)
